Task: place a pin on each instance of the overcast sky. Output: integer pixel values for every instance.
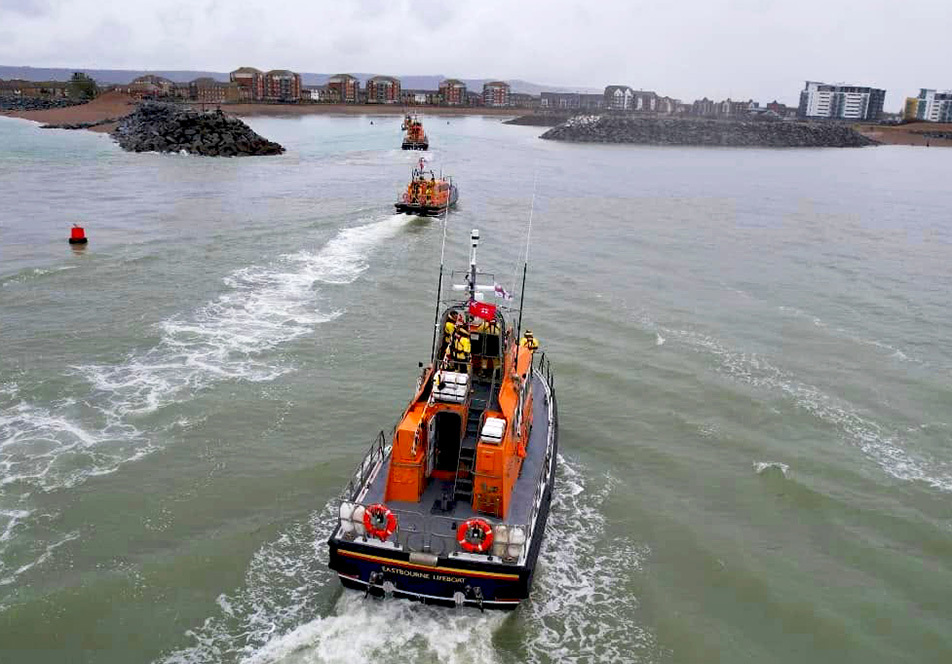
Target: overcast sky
(762, 49)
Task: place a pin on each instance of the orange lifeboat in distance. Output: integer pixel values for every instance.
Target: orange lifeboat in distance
(427, 195)
(415, 138)
(451, 507)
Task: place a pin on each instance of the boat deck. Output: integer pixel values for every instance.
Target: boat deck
(426, 515)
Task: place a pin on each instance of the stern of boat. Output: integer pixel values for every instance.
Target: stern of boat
(422, 559)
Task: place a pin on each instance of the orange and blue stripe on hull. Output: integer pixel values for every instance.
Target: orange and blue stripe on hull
(451, 582)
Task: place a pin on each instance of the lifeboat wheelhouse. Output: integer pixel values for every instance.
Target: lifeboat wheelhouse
(427, 195)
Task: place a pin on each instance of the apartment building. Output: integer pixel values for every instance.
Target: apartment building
(344, 88)
(282, 85)
(841, 101)
(496, 93)
(453, 92)
(250, 83)
(383, 90)
(929, 106)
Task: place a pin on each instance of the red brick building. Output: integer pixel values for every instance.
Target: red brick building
(344, 88)
(250, 83)
(383, 90)
(282, 85)
(496, 93)
(207, 90)
(453, 92)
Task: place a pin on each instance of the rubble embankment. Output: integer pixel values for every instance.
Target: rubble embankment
(80, 125)
(702, 132)
(36, 103)
(539, 120)
(158, 127)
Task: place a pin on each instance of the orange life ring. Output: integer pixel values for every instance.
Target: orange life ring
(379, 521)
(475, 535)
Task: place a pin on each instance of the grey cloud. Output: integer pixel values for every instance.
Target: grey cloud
(762, 49)
(26, 7)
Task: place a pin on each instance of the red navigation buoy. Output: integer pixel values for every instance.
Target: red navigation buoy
(78, 235)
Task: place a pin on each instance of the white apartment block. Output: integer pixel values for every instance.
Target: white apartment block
(849, 102)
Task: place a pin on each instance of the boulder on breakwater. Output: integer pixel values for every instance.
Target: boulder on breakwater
(80, 125)
(741, 133)
(35, 103)
(159, 127)
(539, 119)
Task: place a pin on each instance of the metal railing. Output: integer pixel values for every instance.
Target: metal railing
(544, 370)
(378, 451)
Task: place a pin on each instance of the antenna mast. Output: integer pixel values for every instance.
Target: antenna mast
(472, 265)
(525, 265)
(439, 289)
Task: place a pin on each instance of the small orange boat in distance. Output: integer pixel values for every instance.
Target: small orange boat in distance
(451, 507)
(426, 194)
(415, 138)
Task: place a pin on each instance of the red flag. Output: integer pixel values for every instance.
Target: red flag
(482, 310)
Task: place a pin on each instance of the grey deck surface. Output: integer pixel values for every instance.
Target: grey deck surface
(520, 507)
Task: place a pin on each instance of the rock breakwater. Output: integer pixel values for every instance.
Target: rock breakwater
(657, 131)
(539, 119)
(157, 127)
(35, 103)
(80, 125)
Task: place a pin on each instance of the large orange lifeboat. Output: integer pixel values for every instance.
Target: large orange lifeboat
(451, 507)
(427, 195)
(415, 138)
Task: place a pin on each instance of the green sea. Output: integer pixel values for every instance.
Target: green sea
(753, 365)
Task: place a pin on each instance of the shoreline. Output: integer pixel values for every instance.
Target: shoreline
(250, 110)
(118, 105)
(108, 105)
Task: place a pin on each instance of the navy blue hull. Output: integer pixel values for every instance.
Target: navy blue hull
(489, 586)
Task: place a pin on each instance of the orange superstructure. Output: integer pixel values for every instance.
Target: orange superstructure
(430, 439)
(426, 194)
(452, 508)
(415, 138)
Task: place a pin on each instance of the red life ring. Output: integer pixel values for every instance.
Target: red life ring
(379, 521)
(475, 536)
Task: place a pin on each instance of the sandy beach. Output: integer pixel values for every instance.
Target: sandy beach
(108, 105)
(905, 134)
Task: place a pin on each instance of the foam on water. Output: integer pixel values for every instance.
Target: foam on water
(61, 444)
(582, 607)
(886, 448)
(47, 449)
(581, 610)
(893, 351)
(265, 307)
(771, 467)
(32, 273)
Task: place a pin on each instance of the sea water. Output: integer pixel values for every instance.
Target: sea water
(752, 362)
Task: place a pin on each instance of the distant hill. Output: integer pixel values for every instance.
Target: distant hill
(110, 76)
